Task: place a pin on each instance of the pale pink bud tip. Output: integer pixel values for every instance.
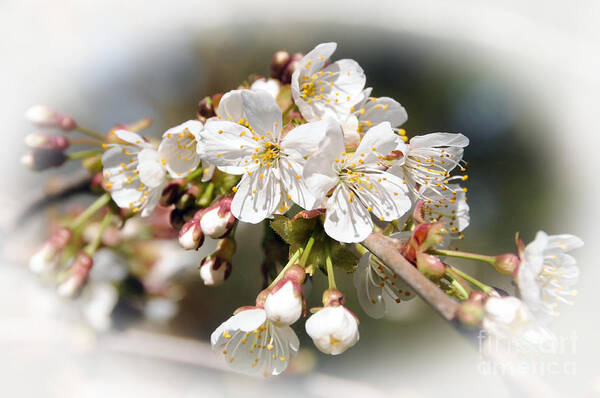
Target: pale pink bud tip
(214, 270)
(430, 266)
(190, 235)
(507, 263)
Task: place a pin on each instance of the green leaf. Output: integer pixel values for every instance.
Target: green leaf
(294, 232)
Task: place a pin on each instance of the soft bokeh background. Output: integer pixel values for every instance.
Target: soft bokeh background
(521, 81)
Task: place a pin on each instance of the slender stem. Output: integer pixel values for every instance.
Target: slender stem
(91, 248)
(90, 132)
(329, 265)
(207, 196)
(196, 173)
(291, 262)
(307, 249)
(479, 285)
(85, 141)
(90, 211)
(84, 154)
(455, 281)
(465, 255)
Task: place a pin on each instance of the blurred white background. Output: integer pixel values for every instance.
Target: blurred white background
(549, 49)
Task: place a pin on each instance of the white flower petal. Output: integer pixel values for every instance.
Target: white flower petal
(150, 168)
(388, 198)
(439, 139)
(295, 184)
(304, 139)
(347, 220)
(225, 143)
(245, 321)
(264, 115)
(318, 173)
(368, 290)
(256, 197)
(271, 86)
(131, 138)
(231, 106)
(379, 141)
(178, 148)
(382, 109)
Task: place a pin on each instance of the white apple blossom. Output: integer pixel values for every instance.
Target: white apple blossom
(333, 329)
(378, 287)
(271, 165)
(251, 343)
(427, 161)
(272, 86)
(284, 304)
(547, 274)
(357, 182)
(508, 318)
(369, 112)
(135, 173)
(178, 148)
(326, 91)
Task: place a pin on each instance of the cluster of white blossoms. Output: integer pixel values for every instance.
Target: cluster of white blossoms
(326, 165)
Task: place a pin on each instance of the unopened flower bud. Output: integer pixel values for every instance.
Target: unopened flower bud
(278, 63)
(284, 302)
(41, 159)
(218, 221)
(333, 329)
(214, 270)
(286, 75)
(190, 235)
(424, 237)
(76, 276)
(40, 140)
(507, 263)
(43, 115)
(430, 266)
(470, 313)
(47, 256)
(296, 273)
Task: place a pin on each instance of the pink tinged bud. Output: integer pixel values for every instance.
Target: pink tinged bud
(76, 276)
(218, 221)
(286, 75)
(333, 329)
(430, 266)
(296, 273)
(214, 270)
(284, 303)
(45, 259)
(40, 140)
(43, 115)
(279, 62)
(507, 263)
(470, 313)
(190, 235)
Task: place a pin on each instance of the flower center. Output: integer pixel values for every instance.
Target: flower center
(267, 154)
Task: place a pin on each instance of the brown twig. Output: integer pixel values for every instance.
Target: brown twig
(387, 250)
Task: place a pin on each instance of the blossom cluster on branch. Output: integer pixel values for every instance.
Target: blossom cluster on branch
(324, 164)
